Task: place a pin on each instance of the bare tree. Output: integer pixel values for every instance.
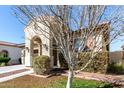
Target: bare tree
(75, 28)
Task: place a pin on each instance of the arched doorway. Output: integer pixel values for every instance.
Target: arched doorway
(36, 46)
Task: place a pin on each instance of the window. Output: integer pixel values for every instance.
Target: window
(77, 45)
(5, 53)
(35, 51)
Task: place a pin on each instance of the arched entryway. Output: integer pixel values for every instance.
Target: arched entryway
(36, 46)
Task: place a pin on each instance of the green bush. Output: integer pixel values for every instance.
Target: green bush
(41, 64)
(62, 61)
(4, 60)
(116, 67)
(1, 54)
(98, 64)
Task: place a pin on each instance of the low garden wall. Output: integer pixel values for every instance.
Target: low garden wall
(116, 62)
(116, 56)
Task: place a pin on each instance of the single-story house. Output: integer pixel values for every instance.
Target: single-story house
(11, 50)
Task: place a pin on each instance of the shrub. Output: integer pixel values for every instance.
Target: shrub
(98, 64)
(116, 67)
(62, 61)
(1, 54)
(41, 64)
(4, 60)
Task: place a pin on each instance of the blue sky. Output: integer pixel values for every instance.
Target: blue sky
(11, 29)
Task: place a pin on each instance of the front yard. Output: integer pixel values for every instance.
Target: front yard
(29, 81)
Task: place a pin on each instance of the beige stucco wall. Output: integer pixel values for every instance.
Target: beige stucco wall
(30, 33)
(14, 52)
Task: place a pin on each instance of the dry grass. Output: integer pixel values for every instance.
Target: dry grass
(29, 81)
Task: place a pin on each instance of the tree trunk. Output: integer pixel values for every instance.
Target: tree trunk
(70, 78)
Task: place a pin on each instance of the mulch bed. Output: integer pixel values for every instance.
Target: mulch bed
(53, 72)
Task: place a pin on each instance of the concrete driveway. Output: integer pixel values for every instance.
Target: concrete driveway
(11, 72)
(11, 68)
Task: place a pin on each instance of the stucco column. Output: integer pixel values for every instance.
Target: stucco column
(28, 56)
(23, 56)
(58, 63)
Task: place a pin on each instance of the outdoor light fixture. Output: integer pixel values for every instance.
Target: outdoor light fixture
(27, 49)
(46, 47)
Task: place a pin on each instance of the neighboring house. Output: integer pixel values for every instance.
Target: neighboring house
(11, 50)
(37, 44)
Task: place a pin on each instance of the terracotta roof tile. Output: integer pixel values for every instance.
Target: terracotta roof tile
(10, 44)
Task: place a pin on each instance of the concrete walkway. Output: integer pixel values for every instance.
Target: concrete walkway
(11, 72)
